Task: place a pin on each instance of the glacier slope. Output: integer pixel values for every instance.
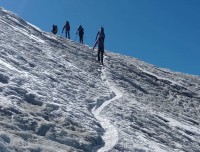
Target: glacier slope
(45, 99)
(159, 109)
(49, 86)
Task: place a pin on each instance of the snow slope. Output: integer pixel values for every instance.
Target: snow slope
(55, 97)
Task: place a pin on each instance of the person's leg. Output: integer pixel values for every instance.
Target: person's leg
(102, 57)
(66, 34)
(98, 56)
(82, 39)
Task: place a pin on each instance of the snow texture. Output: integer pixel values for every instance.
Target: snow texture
(54, 97)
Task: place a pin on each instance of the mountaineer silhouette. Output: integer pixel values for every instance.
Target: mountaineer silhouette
(55, 29)
(100, 41)
(80, 31)
(67, 29)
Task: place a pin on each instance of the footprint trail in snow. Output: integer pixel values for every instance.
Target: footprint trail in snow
(110, 136)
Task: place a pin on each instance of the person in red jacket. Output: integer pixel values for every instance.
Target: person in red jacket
(100, 41)
(67, 29)
(80, 31)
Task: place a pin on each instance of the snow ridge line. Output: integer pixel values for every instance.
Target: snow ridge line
(110, 136)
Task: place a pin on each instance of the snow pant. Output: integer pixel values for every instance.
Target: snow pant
(67, 34)
(81, 38)
(100, 55)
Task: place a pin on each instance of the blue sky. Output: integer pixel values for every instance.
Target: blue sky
(165, 33)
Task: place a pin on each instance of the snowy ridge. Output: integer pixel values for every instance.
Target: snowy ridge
(55, 98)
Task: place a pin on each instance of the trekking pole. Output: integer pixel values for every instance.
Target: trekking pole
(76, 36)
(92, 54)
(84, 38)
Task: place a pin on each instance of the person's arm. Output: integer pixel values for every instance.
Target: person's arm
(97, 35)
(77, 31)
(95, 44)
(63, 28)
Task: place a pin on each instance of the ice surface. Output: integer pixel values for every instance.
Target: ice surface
(55, 97)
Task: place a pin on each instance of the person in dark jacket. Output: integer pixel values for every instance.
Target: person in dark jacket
(100, 41)
(80, 31)
(67, 29)
(55, 29)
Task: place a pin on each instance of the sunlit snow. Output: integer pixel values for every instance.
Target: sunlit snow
(55, 97)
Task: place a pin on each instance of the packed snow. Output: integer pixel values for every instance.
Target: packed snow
(55, 97)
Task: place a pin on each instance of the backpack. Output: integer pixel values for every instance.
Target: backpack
(55, 29)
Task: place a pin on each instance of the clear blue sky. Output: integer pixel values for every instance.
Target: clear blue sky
(165, 33)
